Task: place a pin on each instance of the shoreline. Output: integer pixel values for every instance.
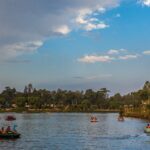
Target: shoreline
(58, 111)
(138, 116)
(140, 112)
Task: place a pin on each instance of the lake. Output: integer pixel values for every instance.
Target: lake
(74, 131)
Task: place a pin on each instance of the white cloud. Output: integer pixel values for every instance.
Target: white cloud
(116, 52)
(64, 29)
(92, 26)
(16, 49)
(86, 22)
(123, 50)
(84, 11)
(118, 15)
(25, 21)
(146, 52)
(101, 10)
(101, 25)
(81, 20)
(145, 2)
(113, 51)
(126, 57)
(95, 58)
(112, 55)
(94, 77)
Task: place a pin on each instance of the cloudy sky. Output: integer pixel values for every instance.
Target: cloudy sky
(75, 44)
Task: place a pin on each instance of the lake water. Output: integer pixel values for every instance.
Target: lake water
(74, 131)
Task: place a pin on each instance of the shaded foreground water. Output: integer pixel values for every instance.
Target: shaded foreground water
(74, 131)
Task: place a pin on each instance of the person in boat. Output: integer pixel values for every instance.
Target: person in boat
(120, 118)
(93, 118)
(8, 129)
(148, 125)
(14, 128)
(2, 130)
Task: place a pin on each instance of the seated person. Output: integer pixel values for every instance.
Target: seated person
(14, 129)
(148, 125)
(2, 130)
(95, 118)
(92, 117)
(8, 129)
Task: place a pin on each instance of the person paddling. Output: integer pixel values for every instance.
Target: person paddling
(14, 128)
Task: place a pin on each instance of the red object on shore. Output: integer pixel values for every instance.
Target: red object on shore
(10, 118)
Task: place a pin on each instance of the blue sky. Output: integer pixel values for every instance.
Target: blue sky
(75, 45)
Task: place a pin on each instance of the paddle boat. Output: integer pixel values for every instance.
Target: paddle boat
(147, 128)
(8, 132)
(120, 118)
(94, 119)
(9, 135)
(10, 118)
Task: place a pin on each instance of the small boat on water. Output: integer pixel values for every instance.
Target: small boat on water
(10, 135)
(120, 118)
(94, 119)
(10, 118)
(147, 128)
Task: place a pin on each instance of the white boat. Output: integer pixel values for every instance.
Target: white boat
(147, 130)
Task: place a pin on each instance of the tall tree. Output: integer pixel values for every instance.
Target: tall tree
(30, 88)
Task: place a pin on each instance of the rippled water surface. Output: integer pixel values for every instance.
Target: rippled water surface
(74, 131)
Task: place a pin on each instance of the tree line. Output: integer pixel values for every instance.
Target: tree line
(67, 100)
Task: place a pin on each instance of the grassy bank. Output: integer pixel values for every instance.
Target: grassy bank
(138, 113)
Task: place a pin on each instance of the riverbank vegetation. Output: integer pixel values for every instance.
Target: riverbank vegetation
(42, 100)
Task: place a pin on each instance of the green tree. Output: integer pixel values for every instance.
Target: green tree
(8, 94)
(20, 102)
(85, 105)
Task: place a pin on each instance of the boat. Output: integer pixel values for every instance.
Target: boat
(10, 118)
(120, 119)
(94, 119)
(10, 135)
(147, 130)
